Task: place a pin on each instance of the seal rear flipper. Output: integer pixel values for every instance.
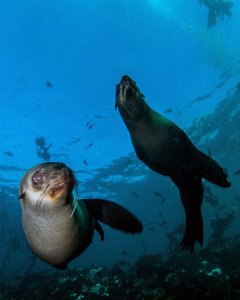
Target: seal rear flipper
(113, 215)
(191, 192)
(193, 231)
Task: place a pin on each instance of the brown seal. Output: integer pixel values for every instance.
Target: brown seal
(58, 227)
(167, 150)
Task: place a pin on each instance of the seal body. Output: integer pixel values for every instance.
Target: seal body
(63, 237)
(58, 227)
(167, 150)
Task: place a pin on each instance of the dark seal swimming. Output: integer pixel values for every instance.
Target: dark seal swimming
(57, 226)
(167, 150)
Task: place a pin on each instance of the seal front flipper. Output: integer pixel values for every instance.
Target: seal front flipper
(211, 171)
(113, 215)
(191, 192)
(98, 228)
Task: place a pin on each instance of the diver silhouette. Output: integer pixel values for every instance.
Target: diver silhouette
(42, 150)
(217, 8)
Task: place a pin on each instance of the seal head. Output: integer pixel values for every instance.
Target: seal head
(129, 101)
(50, 182)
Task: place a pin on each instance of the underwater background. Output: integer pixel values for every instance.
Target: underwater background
(60, 62)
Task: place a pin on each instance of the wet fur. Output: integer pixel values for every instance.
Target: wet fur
(51, 217)
(167, 150)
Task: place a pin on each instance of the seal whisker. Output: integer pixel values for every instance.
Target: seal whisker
(74, 202)
(125, 106)
(74, 207)
(40, 200)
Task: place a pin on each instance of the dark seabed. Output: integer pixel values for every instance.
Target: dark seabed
(60, 62)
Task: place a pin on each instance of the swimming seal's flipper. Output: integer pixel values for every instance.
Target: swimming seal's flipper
(210, 170)
(113, 215)
(191, 192)
(98, 228)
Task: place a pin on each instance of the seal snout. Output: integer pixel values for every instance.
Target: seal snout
(69, 177)
(65, 178)
(61, 171)
(128, 87)
(56, 178)
(124, 90)
(126, 79)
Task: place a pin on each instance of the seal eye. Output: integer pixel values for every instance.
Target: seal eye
(37, 178)
(117, 88)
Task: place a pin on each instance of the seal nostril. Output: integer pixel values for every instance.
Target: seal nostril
(37, 178)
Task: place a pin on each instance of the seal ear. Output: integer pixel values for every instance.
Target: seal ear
(21, 196)
(113, 215)
(21, 192)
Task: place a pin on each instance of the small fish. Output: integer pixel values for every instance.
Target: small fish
(73, 141)
(150, 228)
(237, 172)
(88, 146)
(157, 194)
(135, 194)
(202, 97)
(163, 200)
(160, 214)
(8, 153)
(90, 125)
(87, 124)
(124, 252)
(170, 109)
(76, 140)
(85, 162)
(48, 84)
(99, 117)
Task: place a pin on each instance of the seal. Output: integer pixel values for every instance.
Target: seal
(167, 150)
(57, 226)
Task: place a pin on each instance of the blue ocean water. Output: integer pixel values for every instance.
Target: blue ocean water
(60, 61)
